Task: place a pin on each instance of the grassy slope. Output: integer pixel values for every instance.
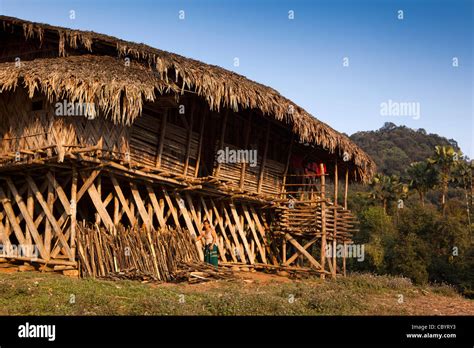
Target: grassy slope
(50, 294)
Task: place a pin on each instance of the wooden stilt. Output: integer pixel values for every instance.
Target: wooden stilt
(287, 166)
(346, 187)
(30, 204)
(161, 143)
(334, 239)
(188, 145)
(73, 210)
(323, 220)
(201, 135)
(344, 259)
(264, 159)
(157, 208)
(47, 229)
(28, 219)
(246, 144)
(54, 223)
(303, 251)
(221, 142)
(297, 254)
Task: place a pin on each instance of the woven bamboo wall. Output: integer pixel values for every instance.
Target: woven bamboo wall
(29, 127)
(160, 138)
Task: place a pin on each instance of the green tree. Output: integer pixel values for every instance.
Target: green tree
(423, 177)
(462, 177)
(444, 159)
(411, 258)
(378, 235)
(386, 189)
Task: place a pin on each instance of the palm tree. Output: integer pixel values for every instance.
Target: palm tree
(386, 189)
(423, 177)
(444, 159)
(462, 176)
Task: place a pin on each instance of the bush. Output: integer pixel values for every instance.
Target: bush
(377, 234)
(419, 243)
(411, 258)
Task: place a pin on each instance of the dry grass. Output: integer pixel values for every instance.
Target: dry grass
(253, 294)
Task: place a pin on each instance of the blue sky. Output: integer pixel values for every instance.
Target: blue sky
(407, 60)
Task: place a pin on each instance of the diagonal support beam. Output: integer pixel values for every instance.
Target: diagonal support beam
(156, 206)
(298, 253)
(50, 217)
(189, 223)
(141, 206)
(303, 251)
(12, 217)
(28, 219)
(240, 229)
(99, 205)
(122, 200)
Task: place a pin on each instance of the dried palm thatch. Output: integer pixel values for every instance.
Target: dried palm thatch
(219, 87)
(118, 90)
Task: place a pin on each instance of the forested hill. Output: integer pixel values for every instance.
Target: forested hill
(394, 147)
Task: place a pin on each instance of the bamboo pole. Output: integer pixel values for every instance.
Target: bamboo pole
(287, 166)
(201, 135)
(246, 144)
(28, 219)
(344, 259)
(303, 251)
(188, 145)
(54, 223)
(334, 241)
(162, 140)
(221, 141)
(297, 254)
(30, 203)
(264, 159)
(323, 220)
(346, 187)
(47, 230)
(73, 205)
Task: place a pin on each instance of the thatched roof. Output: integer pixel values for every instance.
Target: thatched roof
(118, 91)
(99, 78)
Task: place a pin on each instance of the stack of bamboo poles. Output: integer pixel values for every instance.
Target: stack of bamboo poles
(157, 255)
(306, 220)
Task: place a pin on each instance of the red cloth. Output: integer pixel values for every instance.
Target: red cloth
(314, 169)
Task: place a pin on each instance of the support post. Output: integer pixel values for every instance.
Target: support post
(221, 141)
(30, 204)
(190, 138)
(246, 144)
(287, 166)
(201, 135)
(47, 230)
(73, 204)
(344, 259)
(264, 160)
(334, 239)
(323, 220)
(162, 140)
(346, 187)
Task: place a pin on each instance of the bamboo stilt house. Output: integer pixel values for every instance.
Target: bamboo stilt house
(97, 129)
